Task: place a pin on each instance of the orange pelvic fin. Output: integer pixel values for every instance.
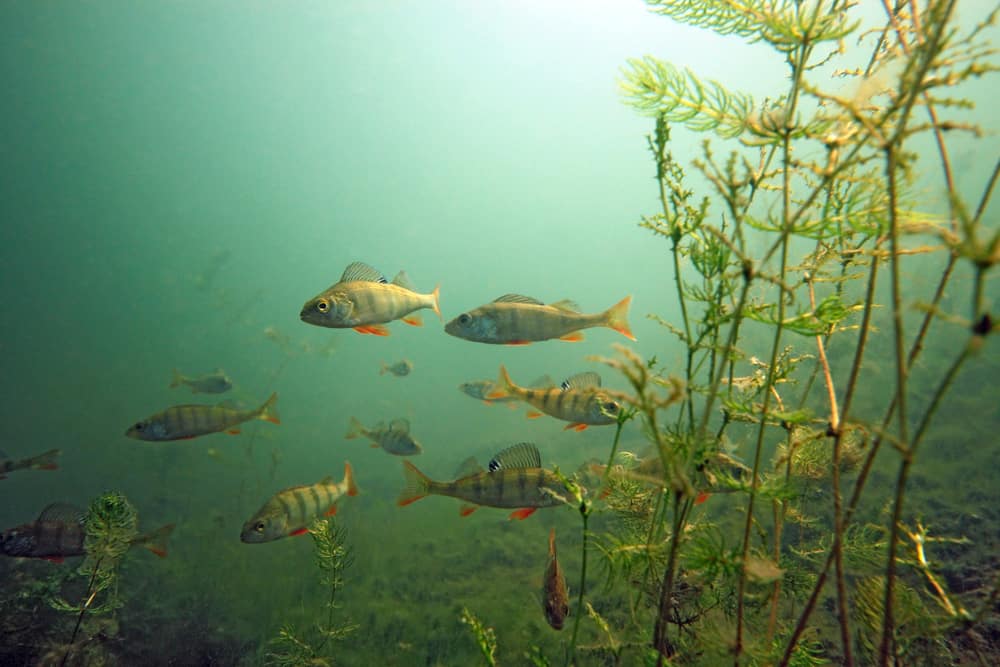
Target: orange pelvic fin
(413, 320)
(518, 342)
(466, 509)
(54, 559)
(523, 513)
(575, 426)
(300, 531)
(375, 329)
(701, 497)
(331, 511)
(233, 431)
(533, 414)
(574, 337)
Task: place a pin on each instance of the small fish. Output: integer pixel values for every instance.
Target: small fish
(514, 478)
(399, 369)
(44, 461)
(514, 319)
(216, 382)
(481, 389)
(555, 599)
(290, 511)
(578, 400)
(395, 438)
(59, 533)
(182, 422)
(364, 300)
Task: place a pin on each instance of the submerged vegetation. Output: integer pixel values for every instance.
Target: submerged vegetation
(789, 253)
(775, 510)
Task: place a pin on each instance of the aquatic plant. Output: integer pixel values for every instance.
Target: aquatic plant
(486, 638)
(111, 526)
(332, 556)
(784, 253)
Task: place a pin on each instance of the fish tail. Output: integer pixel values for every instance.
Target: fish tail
(156, 541)
(355, 430)
(504, 386)
(46, 460)
(417, 486)
(552, 543)
(436, 304)
(384, 368)
(269, 411)
(616, 317)
(352, 488)
(177, 380)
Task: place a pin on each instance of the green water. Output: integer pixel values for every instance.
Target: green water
(177, 179)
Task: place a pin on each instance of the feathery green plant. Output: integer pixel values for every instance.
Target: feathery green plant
(110, 526)
(332, 556)
(486, 638)
(814, 201)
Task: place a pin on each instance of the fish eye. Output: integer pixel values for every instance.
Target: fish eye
(611, 406)
(322, 305)
(464, 318)
(259, 526)
(139, 426)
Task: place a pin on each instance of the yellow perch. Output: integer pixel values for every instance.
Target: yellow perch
(182, 422)
(578, 400)
(514, 319)
(514, 479)
(290, 511)
(364, 300)
(555, 598)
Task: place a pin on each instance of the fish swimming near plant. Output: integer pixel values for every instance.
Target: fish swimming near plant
(216, 382)
(290, 511)
(181, 422)
(43, 461)
(514, 319)
(59, 533)
(481, 389)
(400, 369)
(578, 400)
(394, 438)
(514, 478)
(555, 598)
(364, 300)
(718, 473)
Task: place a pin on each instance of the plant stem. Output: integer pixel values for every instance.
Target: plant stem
(571, 650)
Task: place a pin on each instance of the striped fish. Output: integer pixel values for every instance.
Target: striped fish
(555, 598)
(216, 382)
(289, 512)
(182, 422)
(43, 461)
(514, 319)
(514, 479)
(481, 389)
(364, 300)
(395, 438)
(578, 400)
(59, 533)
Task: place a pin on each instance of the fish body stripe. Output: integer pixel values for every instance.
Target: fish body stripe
(510, 487)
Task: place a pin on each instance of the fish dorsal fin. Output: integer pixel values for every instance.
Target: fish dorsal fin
(567, 305)
(64, 512)
(544, 382)
(518, 298)
(587, 380)
(400, 425)
(363, 272)
(403, 280)
(521, 455)
(328, 481)
(469, 466)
